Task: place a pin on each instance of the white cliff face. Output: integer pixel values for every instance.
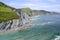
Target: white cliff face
(25, 18)
(15, 23)
(9, 24)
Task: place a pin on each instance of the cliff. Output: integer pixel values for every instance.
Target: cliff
(15, 23)
(11, 18)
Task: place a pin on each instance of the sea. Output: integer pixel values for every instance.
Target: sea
(43, 27)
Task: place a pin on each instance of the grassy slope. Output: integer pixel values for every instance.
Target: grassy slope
(27, 10)
(6, 14)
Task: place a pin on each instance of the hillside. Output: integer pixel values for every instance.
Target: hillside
(6, 14)
(28, 11)
(40, 12)
(31, 12)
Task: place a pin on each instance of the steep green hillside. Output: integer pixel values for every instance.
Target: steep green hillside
(31, 12)
(6, 14)
(25, 10)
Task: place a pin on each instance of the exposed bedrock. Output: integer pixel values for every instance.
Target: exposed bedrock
(15, 23)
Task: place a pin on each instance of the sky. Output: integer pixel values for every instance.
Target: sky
(49, 5)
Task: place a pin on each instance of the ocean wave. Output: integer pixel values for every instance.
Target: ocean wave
(44, 23)
(35, 17)
(57, 38)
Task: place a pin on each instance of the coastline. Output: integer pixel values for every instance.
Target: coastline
(25, 26)
(16, 29)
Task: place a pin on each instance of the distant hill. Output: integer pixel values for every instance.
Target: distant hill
(36, 12)
(6, 14)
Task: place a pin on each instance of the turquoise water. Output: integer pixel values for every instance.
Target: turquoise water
(44, 27)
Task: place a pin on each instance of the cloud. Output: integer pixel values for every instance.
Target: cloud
(50, 5)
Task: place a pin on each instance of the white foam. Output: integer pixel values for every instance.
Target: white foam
(35, 17)
(57, 38)
(50, 22)
(46, 23)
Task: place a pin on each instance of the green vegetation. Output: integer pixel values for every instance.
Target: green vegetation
(6, 14)
(26, 10)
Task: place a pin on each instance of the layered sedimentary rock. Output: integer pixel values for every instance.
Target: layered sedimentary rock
(15, 23)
